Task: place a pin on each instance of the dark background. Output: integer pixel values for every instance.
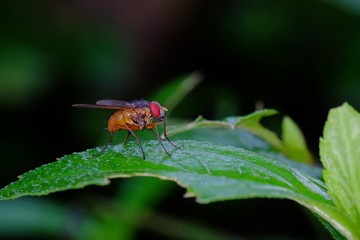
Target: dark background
(300, 57)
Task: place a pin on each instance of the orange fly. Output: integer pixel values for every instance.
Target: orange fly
(132, 116)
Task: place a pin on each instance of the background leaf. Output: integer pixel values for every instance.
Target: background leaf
(250, 123)
(340, 155)
(241, 138)
(294, 142)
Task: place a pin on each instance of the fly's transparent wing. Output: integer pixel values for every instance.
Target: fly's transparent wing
(137, 103)
(115, 104)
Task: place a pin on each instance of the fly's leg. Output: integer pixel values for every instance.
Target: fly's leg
(167, 138)
(138, 140)
(160, 140)
(126, 138)
(106, 146)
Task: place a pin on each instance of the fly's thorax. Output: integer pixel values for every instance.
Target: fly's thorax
(131, 118)
(141, 117)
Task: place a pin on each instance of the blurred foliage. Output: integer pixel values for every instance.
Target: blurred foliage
(22, 73)
(352, 6)
(37, 217)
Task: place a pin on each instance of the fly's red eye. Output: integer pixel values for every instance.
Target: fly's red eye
(155, 109)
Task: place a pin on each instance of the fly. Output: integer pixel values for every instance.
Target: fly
(132, 116)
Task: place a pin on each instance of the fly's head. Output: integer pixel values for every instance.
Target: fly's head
(157, 111)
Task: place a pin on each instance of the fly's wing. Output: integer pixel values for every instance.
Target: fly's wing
(115, 104)
(95, 106)
(137, 103)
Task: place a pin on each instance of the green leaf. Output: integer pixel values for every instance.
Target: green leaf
(293, 145)
(335, 234)
(340, 155)
(210, 172)
(240, 138)
(250, 123)
(247, 132)
(294, 142)
(243, 173)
